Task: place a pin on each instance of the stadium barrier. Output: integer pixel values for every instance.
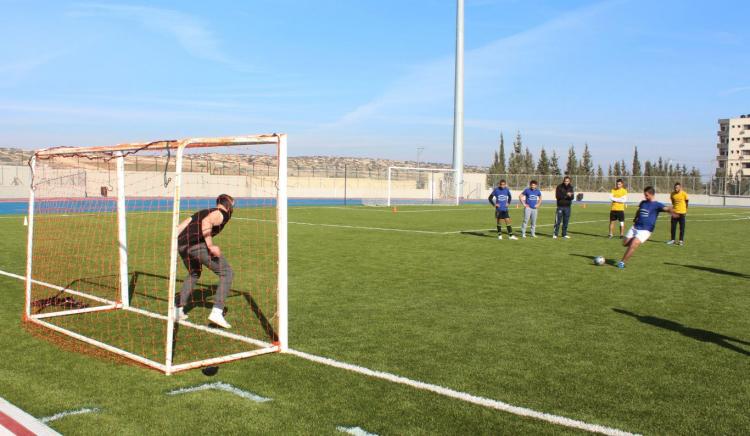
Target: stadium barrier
(344, 186)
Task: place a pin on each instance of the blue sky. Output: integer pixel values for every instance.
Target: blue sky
(375, 78)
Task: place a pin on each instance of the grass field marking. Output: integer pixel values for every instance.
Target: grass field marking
(346, 226)
(221, 386)
(390, 210)
(538, 225)
(746, 218)
(356, 431)
(66, 413)
(463, 396)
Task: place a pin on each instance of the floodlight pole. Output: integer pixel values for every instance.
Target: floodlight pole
(458, 115)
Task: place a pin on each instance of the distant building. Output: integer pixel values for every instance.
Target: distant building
(734, 147)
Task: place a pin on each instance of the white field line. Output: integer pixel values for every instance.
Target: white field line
(389, 210)
(345, 226)
(462, 396)
(452, 232)
(221, 386)
(61, 415)
(450, 393)
(356, 431)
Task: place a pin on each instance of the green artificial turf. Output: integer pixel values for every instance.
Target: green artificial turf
(662, 347)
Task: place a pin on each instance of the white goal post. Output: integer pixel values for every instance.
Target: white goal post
(105, 269)
(418, 186)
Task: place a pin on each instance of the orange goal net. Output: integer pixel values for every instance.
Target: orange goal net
(108, 262)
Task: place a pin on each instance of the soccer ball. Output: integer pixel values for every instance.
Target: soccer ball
(599, 260)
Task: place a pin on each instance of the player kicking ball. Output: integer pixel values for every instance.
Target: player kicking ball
(500, 199)
(643, 224)
(196, 247)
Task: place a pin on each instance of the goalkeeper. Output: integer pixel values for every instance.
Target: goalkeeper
(196, 247)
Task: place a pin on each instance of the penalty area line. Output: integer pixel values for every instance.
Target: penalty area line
(440, 390)
(463, 396)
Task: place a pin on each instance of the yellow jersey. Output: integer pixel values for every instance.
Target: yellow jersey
(679, 201)
(618, 193)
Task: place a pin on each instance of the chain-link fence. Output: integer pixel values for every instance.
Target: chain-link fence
(698, 185)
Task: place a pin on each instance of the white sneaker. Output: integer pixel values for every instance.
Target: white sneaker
(554, 236)
(217, 317)
(179, 314)
(533, 235)
(500, 237)
(670, 242)
(513, 237)
(682, 243)
(523, 236)
(566, 237)
(610, 236)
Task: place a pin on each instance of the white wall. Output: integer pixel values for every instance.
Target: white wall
(14, 185)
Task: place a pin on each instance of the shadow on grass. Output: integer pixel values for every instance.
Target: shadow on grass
(594, 235)
(479, 233)
(693, 333)
(712, 270)
(201, 295)
(612, 262)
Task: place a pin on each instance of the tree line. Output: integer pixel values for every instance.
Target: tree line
(521, 161)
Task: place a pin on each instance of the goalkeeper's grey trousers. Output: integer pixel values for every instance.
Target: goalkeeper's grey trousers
(194, 258)
(529, 214)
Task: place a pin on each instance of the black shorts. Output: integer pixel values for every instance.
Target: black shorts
(617, 215)
(502, 214)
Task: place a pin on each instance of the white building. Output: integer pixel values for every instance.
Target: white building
(734, 147)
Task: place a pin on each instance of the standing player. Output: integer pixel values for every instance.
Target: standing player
(618, 196)
(500, 198)
(196, 247)
(643, 224)
(531, 198)
(680, 204)
(564, 196)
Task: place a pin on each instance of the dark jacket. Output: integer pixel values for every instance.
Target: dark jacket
(563, 200)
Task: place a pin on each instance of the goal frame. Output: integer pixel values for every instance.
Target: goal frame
(118, 152)
(427, 170)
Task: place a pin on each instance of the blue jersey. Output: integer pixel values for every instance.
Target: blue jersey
(648, 213)
(533, 196)
(502, 198)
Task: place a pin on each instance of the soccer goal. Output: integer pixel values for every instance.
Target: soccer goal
(417, 186)
(105, 267)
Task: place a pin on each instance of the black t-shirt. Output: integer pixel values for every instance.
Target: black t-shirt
(192, 234)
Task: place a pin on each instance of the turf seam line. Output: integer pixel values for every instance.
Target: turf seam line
(463, 396)
(66, 413)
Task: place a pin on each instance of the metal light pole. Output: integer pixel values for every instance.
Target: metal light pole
(458, 114)
(419, 152)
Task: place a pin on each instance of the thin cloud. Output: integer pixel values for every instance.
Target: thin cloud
(15, 70)
(192, 34)
(736, 90)
(432, 82)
